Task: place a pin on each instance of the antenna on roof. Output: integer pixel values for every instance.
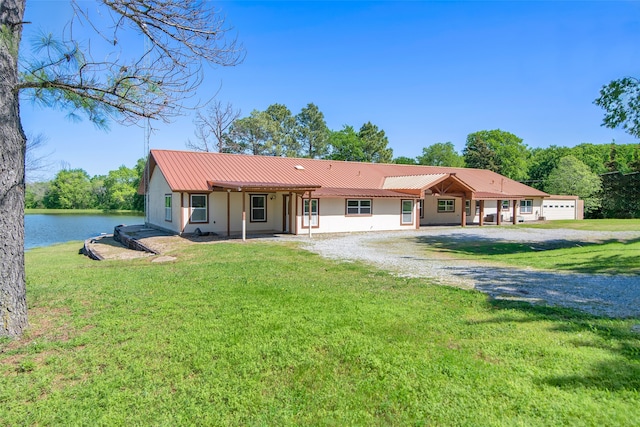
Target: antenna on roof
(147, 137)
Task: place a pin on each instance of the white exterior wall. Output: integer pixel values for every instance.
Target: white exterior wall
(433, 217)
(490, 208)
(386, 216)
(217, 214)
(158, 188)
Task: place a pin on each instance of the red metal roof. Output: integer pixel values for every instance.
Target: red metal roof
(197, 171)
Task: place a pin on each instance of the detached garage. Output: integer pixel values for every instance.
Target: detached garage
(562, 207)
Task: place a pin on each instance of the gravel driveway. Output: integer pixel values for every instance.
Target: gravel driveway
(400, 253)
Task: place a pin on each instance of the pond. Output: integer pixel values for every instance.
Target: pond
(49, 229)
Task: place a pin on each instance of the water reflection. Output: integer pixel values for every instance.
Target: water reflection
(45, 230)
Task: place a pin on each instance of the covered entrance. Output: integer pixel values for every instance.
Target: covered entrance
(258, 195)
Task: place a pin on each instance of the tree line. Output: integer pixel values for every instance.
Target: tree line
(276, 131)
(75, 189)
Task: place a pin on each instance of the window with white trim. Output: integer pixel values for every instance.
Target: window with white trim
(314, 213)
(358, 206)
(467, 207)
(446, 205)
(526, 206)
(407, 212)
(167, 207)
(421, 207)
(258, 208)
(505, 205)
(198, 208)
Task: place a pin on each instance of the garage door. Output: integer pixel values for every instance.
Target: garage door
(559, 209)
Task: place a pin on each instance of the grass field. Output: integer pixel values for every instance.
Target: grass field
(590, 224)
(613, 256)
(266, 334)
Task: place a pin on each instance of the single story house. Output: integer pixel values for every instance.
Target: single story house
(232, 194)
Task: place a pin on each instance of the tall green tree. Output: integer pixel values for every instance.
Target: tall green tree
(510, 155)
(250, 135)
(404, 160)
(281, 131)
(613, 164)
(573, 177)
(369, 145)
(542, 162)
(593, 155)
(34, 194)
(478, 155)
(621, 101)
(313, 133)
(139, 199)
(634, 165)
(346, 145)
(120, 185)
(374, 144)
(441, 154)
(70, 189)
(62, 73)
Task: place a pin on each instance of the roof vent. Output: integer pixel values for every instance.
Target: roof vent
(299, 167)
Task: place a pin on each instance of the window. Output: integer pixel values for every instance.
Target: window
(167, 207)
(198, 208)
(526, 206)
(467, 207)
(407, 212)
(258, 208)
(314, 213)
(446, 205)
(421, 208)
(505, 205)
(359, 207)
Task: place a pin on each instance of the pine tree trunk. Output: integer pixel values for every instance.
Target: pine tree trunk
(13, 305)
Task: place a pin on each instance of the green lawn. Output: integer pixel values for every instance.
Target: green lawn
(590, 224)
(612, 256)
(267, 334)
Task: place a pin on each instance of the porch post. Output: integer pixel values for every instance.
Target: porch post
(499, 212)
(244, 218)
(481, 213)
(463, 215)
(310, 216)
(228, 213)
(514, 217)
(292, 213)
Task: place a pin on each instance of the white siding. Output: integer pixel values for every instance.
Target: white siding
(158, 188)
(386, 215)
(433, 217)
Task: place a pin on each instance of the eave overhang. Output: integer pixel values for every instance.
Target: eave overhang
(260, 186)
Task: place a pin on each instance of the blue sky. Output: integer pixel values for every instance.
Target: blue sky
(424, 72)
